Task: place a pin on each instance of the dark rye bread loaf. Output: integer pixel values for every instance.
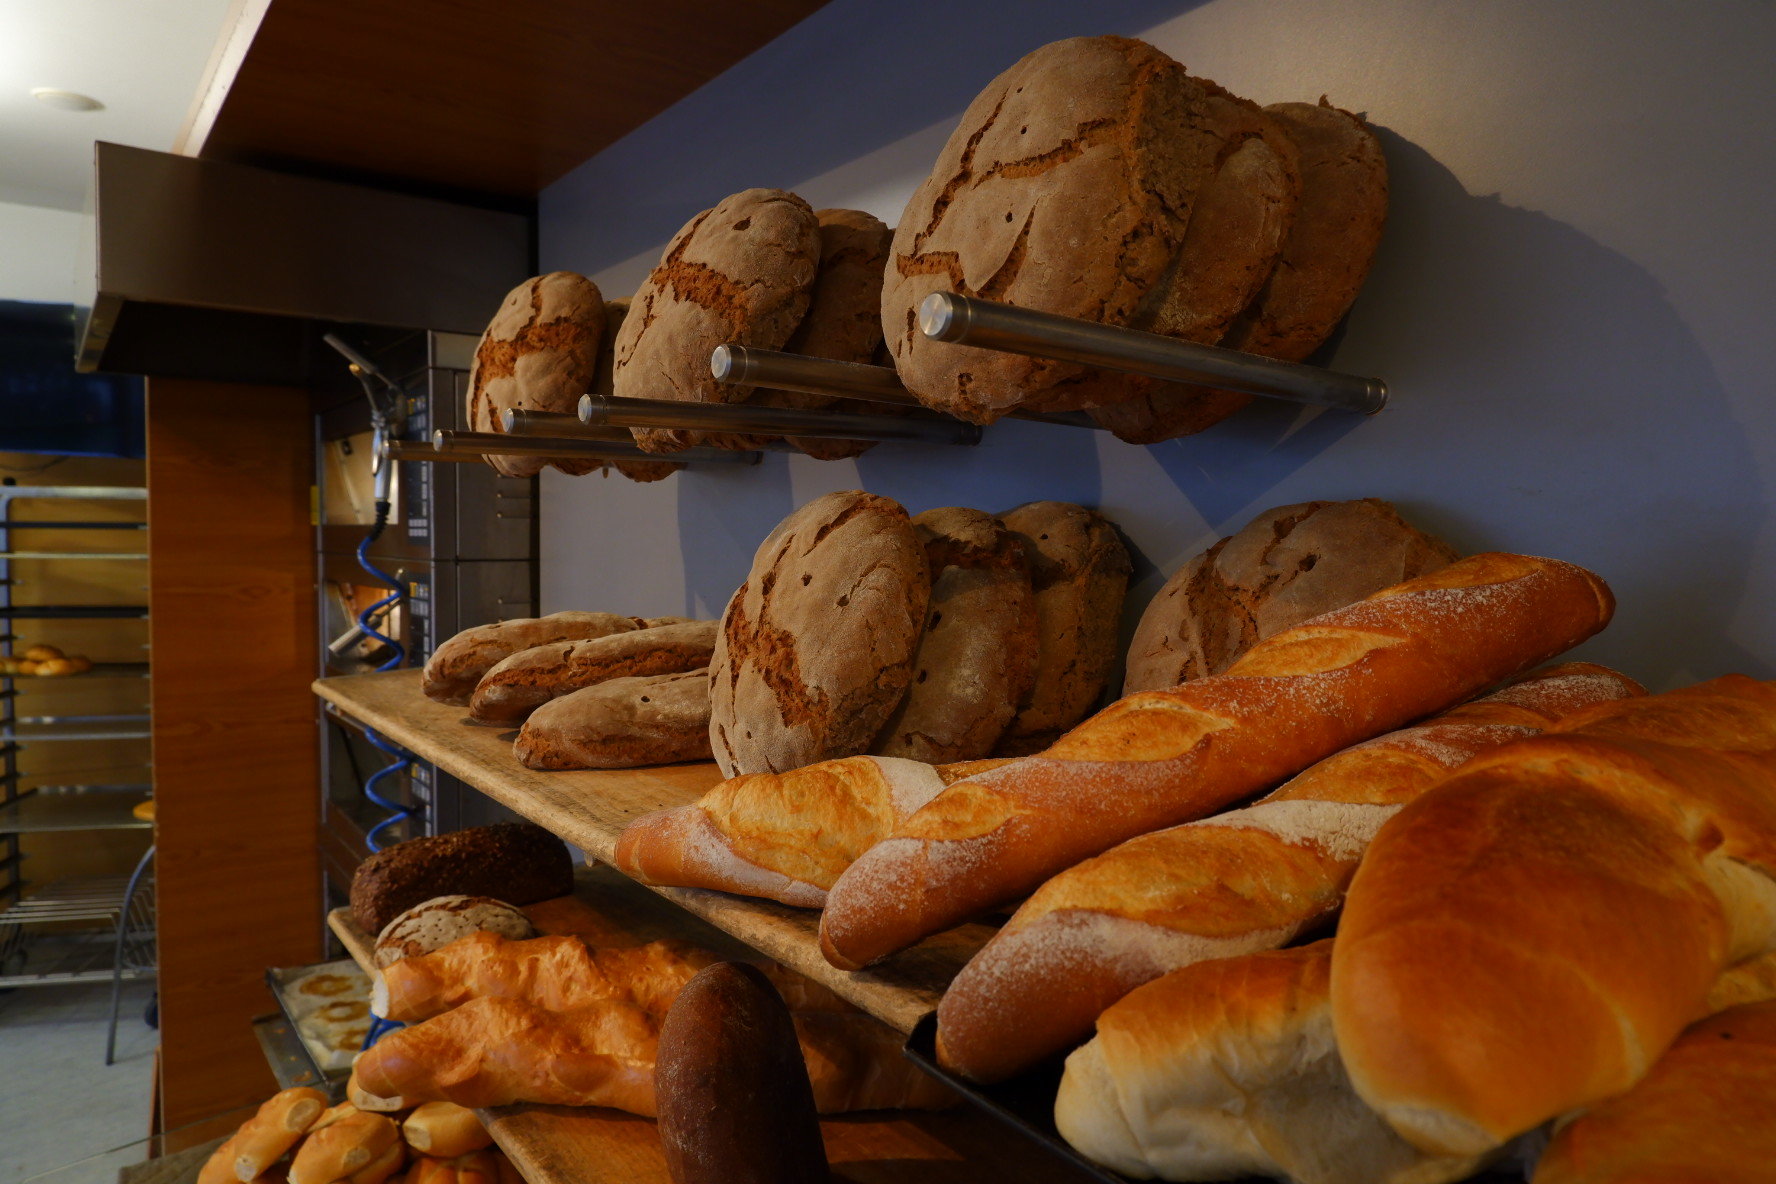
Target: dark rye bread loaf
(816, 648)
(635, 470)
(741, 272)
(514, 688)
(1067, 188)
(537, 354)
(844, 320)
(1326, 257)
(455, 667)
(511, 861)
(1288, 564)
(976, 661)
(622, 723)
(1079, 570)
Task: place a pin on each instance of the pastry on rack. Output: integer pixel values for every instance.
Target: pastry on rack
(1229, 884)
(1284, 566)
(1162, 758)
(537, 354)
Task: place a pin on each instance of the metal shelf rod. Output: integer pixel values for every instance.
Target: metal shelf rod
(923, 428)
(743, 365)
(553, 423)
(495, 442)
(987, 324)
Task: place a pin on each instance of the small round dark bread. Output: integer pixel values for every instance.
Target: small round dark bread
(1079, 569)
(1286, 565)
(537, 354)
(816, 648)
(741, 272)
(977, 658)
(1066, 187)
(735, 1102)
(516, 862)
(624, 723)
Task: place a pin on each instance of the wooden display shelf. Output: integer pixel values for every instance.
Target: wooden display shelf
(590, 809)
(574, 1145)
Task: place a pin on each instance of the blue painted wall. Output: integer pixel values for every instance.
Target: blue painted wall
(1571, 303)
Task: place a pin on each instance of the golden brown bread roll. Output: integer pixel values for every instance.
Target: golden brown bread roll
(264, 1138)
(444, 1130)
(1567, 902)
(486, 1166)
(1228, 884)
(1168, 757)
(350, 1144)
(44, 653)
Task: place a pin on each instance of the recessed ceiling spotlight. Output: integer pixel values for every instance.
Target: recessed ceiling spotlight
(65, 100)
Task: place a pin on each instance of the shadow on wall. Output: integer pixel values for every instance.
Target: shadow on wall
(1543, 383)
(937, 57)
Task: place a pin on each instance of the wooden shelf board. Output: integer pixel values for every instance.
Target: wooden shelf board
(590, 809)
(574, 1145)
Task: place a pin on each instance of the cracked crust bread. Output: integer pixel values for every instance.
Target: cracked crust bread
(1067, 188)
(976, 661)
(1325, 259)
(1079, 570)
(816, 648)
(456, 666)
(636, 470)
(538, 354)
(658, 719)
(1286, 565)
(527, 680)
(844, 320)
(741, 272)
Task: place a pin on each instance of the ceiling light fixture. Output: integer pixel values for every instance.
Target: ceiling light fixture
(65, 100)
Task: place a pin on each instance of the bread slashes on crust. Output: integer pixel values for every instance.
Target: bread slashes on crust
(537, 354)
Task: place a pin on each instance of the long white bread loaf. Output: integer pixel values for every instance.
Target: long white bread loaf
(1527, 937)
(1160, 758)
(783, 836)
(1228, 1069)
(1233, 883)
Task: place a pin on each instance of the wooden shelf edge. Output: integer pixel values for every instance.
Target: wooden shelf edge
(589, 809)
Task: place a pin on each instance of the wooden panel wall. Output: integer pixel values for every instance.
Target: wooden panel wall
(231, 630)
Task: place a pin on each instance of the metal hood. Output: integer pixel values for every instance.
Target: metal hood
(202, 269)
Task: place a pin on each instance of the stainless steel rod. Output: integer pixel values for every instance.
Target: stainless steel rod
(519, 422)
(416, 450)
(967, 320)
(744, 365)
(609, 410)
(495, 442)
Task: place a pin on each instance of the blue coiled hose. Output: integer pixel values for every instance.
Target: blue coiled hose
(402, 761)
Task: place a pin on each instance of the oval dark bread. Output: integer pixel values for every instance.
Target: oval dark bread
(1079, 569)
(659, 719)
(512, 861)
(741, 272)
(1066, 187)
(537, 354)
(520, 684)
(456, 666)
(639, 471)
(816, 648)
(976, 661)
(1286, 565)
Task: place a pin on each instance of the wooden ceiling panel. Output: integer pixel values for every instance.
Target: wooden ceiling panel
(475, 95)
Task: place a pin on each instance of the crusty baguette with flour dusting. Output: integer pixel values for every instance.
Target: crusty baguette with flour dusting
(1246, 880)
(1161, 758)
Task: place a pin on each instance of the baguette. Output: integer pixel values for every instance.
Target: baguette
(351, 1142)
(264, 1138)
(1568, 902)
(456, 666)
(1702, 1114)
(1247, 880)
(1228, 1068)
(444, 1130)
(1161, 758)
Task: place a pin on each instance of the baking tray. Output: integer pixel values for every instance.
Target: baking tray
(278, 979)
(1026, 1105)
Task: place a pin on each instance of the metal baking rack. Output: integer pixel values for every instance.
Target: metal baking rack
(601, 431)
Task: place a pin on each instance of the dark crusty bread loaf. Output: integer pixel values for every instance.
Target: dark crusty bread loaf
(537, 354)
(520, 684)
(1079, 570)
(1066, 187)
(657, 719)
(740, 272)
(734, 1099)
(456, 666)
(512, 861)
(1161, 758)
(1286, 565)
(635, 470)
(816, 648)
(976, 661)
